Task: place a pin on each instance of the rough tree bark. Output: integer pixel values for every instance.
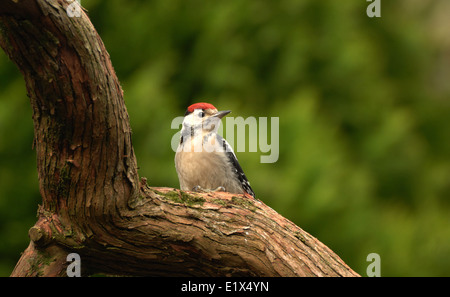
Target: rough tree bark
(93, 202)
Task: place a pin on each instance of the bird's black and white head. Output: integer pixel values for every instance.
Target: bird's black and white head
(202, 118)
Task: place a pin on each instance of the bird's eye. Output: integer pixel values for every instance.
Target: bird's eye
(201, 114)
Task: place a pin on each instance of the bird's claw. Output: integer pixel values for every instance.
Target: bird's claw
(200, 189)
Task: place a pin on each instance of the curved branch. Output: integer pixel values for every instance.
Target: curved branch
(92, 200)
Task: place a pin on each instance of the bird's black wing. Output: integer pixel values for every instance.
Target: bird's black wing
(237, 168)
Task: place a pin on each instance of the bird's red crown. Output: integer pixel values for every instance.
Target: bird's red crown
(200, 105)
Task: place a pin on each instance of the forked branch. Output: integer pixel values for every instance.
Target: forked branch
(93, 202)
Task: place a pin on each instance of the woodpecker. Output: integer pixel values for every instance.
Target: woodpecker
(204, 160)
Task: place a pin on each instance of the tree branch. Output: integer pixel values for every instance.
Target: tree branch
(92, 200)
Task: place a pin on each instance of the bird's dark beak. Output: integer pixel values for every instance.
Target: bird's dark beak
(221, 114)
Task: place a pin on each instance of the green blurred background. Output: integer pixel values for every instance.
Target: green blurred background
(363, 104)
